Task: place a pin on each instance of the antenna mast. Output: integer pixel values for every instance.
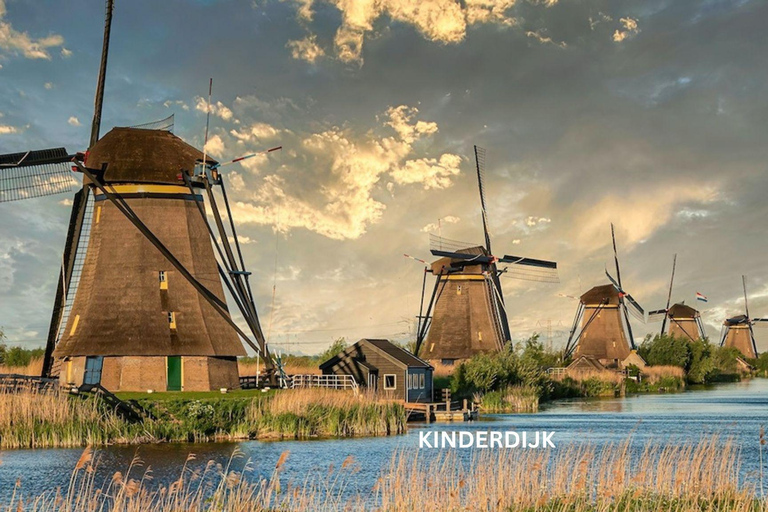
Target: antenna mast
(99, 99)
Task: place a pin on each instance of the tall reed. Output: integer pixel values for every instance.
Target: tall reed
(695, 477)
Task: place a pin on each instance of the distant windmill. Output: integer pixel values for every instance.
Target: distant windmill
(601, 329)
(466, 313)
(737, 331)
(146, 305)
(684, 321)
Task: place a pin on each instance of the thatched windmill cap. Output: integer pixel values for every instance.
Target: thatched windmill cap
(603, 294)
(682, 311)
(144, 156)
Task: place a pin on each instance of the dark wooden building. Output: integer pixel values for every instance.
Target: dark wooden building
(135, 323)
(385, 368)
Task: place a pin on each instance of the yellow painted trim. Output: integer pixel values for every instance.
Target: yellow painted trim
(172, 322)
(149, 188)
(69, 371)
(98, 214)
(74, 325)
(602, 306)
(164, 281)
(465, 277)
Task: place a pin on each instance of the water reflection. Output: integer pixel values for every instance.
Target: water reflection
(732, 410)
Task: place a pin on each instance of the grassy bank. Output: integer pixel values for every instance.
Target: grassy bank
(34, 420)
(684, 478)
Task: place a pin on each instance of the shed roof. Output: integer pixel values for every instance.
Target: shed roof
(387, 348)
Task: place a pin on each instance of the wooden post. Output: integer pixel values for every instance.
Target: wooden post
(464, 407)
(429, 413)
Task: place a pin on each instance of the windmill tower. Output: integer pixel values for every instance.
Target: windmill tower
(683, 321)
(738, 331)
(466, 314)
(148, 310)
(601, 329)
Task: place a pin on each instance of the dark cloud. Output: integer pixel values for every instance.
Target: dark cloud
(662, 133)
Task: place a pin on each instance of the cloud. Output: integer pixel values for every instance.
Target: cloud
(215, 146)
(435, 226)
(256, 132)
(537, 35)
(6, 129)
(630, 28)
(330, 185)
(184, 106)
(73, 121)
(218, 109)
(15, 42)
(441, 21)
(48, 85)
(65, 53)
(306, 49)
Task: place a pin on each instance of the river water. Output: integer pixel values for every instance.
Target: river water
(731, 410)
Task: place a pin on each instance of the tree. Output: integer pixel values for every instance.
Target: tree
(665, 350)
(338, 346)
(3, 347)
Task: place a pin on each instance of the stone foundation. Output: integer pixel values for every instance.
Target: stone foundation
(137, 373)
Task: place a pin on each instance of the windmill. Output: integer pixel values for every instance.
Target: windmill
(466, 313)
(140, 303)
(601, 328)
(737, 331)
(684, 321)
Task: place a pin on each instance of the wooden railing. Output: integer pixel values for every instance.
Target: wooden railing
(14, 383)
(557, 371)
(323, 381)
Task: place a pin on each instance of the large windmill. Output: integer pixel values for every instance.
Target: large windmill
(737, 331)
(140, 303)
(466, 313)
(601, 328)
(683, 321)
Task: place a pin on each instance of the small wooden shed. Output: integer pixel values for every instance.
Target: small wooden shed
(382, 366)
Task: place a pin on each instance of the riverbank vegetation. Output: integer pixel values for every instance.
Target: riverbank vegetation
(31, 419)
(517, 379)
(580, 478)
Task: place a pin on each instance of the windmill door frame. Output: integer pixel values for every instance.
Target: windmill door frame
(174, 373)
(92, 372)
(373, 381)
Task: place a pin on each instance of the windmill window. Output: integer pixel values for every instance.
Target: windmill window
(390, 381)
(172, 320)
(421, 381)
(458, 290)
(163, 280)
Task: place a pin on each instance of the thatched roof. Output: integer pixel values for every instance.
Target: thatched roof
(601, 294)
(682, 311)
(136, 155)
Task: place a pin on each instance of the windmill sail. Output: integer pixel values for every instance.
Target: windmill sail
(35, 174)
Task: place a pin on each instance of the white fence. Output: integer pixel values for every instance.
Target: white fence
(323, 381)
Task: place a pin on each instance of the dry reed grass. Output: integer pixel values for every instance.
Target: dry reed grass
(583, 375)
(654, 374)
(35, 368)
(443, 370)
(694, 477)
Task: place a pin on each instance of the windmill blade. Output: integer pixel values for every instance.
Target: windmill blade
(746, 302)
(761, 323)
(616, 255)
(470, 258)
(35, 174)
(531, 262)
(634, 307)
(480, 166)
(614, 282)
(440, 243)
(669, 294)
(541, 275)
(657, 315)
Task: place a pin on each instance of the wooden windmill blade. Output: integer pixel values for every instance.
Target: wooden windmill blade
(669, 294)
(36, 173)
(480, 167)
(749, 320)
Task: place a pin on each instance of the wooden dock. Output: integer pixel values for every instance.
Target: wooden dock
(447, 411)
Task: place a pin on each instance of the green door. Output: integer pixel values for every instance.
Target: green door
(174, 373)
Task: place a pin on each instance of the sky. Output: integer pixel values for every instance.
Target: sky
(652, 115)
